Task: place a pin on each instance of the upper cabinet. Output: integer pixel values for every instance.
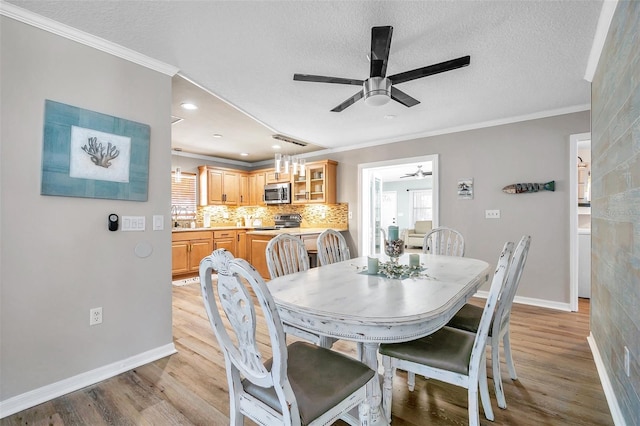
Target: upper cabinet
(229, 187)
(219, 186)
(257, 181)
(317, 186)
(244, 192)
(274, 177)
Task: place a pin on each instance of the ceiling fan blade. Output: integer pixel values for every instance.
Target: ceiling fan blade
(323, 79)
(399, 96)
(380, 45)
(430, 70)
(349, 101)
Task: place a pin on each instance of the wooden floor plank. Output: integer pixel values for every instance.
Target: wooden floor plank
(557, 380)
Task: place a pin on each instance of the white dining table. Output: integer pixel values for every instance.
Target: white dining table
(342, 301)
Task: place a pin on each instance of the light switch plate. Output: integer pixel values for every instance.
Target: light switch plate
(492, 214)
(133, 223)
(158, 222)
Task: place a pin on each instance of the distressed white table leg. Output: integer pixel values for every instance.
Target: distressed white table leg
(370, 357)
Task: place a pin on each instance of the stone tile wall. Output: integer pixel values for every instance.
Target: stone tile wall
(615, 259)
(313, 215)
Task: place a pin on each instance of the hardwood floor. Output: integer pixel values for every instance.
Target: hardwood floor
(558, 383)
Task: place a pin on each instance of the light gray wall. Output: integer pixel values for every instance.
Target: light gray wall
(57, 257)
(615, 207)
(529, 151)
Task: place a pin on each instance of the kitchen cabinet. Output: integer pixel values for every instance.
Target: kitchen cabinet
(257, 181)
(317, 186)
(219, 186)
(188, 249)
(241, 243)
(243, 190)
(256, 247)
(273, 177)
(225, 240)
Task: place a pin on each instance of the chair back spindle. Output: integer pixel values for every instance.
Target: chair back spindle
(444, 241)
(332, 247)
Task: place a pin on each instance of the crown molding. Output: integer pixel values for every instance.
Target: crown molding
(604, 22)
(19, 14)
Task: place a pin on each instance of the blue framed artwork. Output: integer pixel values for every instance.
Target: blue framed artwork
(93, 155)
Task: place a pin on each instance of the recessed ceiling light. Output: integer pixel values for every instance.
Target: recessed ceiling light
(188, 105)
(389, 117)
(243, 154)
(275, 146)
(217, 135)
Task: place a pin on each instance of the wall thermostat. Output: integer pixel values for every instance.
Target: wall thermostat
(113, 222)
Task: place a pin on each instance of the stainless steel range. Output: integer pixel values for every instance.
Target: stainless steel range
(285, 220)
(289, 220)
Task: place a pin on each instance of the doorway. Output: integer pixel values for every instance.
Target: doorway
(579, 217)
(371, 177)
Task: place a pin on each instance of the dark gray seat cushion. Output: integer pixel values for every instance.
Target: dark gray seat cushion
(320, 379)
(468, 319)
(447, 349)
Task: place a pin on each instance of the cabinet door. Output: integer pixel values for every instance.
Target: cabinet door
(256, 189)
(257, 254)
(180, 257)
(228, 244)
(273, 177)
(241, 244)
(231, 188)
(215, 187)
(300, 189)
(243, 196)
(199, 250)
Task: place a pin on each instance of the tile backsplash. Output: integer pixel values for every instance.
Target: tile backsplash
(313, 215)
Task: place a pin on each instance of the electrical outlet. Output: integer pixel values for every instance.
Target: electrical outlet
(626, 362)
(492, 214)
(95, 316)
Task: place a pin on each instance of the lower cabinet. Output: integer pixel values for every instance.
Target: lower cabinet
(256, 247)
(225, 240)
(188, 249)
(241, 243)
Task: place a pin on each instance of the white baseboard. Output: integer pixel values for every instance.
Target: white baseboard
(63, 387)
(533, 302)
(616, 413)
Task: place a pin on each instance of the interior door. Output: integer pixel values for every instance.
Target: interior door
(376, 214)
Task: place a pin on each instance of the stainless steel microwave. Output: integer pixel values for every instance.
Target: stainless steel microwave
(277, 193)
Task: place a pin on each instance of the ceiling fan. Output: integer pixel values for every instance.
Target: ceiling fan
(420, 174)
(378, 88)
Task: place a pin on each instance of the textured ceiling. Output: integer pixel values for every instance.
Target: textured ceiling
(528, 59)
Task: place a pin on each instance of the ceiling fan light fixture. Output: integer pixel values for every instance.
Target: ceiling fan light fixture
(377, 91)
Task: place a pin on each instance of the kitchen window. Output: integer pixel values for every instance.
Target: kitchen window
(183, 196)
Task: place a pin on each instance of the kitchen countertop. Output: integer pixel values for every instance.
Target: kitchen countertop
(292, 231)
(212, 228)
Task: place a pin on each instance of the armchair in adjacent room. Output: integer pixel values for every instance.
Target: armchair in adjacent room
(414, 237)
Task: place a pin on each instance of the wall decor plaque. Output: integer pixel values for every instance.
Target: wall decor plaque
(93, 155)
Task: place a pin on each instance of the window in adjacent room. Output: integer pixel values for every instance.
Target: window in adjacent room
(421, 204)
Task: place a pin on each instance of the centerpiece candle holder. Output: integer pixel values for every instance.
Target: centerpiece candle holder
(393, 248)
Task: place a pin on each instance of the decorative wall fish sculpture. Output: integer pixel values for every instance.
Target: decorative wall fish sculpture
(521, 188)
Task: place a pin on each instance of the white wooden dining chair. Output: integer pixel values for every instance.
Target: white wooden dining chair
(301, 384)
(443, 240)
(286, 254)
(468, 318)
(332, 247)
(450, 355)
